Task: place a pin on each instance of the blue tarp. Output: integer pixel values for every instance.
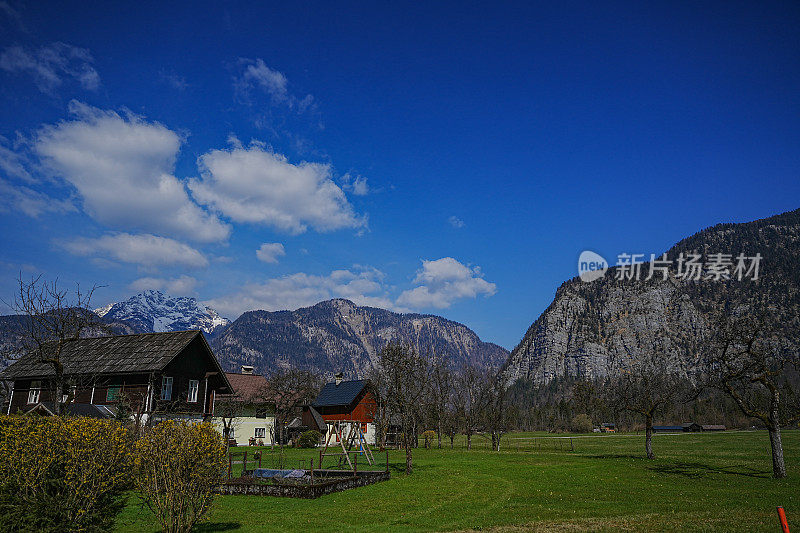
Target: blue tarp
(269, 473)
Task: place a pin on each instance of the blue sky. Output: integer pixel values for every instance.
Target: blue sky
(452, 159)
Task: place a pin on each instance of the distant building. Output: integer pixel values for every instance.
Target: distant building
(250, 416)
(158, 375)
(348, 400)
(668, 429)
(692, 427)
(713, 427)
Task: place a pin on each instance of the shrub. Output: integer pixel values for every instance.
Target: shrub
(582, 423)
(62, 473)
(309, 439)
(429, 436)
(178, 466)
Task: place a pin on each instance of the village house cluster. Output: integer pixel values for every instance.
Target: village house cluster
(175, 375)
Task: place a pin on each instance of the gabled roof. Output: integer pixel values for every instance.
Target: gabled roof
(246, 388)
(120, 354)
(343, 394)
(322, 426)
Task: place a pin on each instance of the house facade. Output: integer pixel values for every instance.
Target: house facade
(350, 401)
(155, 375)
(246, 416)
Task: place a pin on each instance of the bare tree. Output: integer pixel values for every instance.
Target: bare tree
(441, 384)
(229, 408)
(646, 388)
(470, 400)
(406, 375)
(289, 390)
(499, 414)
(52, 317)
(754, 363)
(380, 411)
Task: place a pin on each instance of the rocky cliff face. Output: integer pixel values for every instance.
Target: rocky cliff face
(338, 335)
(595, 329)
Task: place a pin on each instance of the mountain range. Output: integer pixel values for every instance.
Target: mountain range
(340, 336)
(590, 330)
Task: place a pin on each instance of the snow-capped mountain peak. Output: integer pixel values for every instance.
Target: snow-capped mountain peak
(155, 311)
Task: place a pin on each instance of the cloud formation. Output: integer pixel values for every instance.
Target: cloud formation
(442, 282)
(257, 186)
(269, 252)
(357, 185)
(255, 74)
(50, 65)
(145, 250)
(15, 197)
(362, 285)
(456, 222)
(122, 167)
(180, 286)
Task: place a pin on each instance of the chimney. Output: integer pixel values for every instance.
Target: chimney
(247, 370)
(339, 377)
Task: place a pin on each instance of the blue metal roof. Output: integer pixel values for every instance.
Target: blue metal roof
(345, 393)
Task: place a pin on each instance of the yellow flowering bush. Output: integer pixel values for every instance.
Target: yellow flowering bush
(62, 473)
(178, 467)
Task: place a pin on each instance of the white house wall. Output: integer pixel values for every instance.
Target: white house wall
(245, 427)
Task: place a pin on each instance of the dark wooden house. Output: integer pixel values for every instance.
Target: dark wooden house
(158, 375)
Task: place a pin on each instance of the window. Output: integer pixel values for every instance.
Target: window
(33, 394)
(261, 433)
(73, 391)
(112, 394)
(193, 386)
(166, 388)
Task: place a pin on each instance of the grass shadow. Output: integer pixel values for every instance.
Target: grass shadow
(691, 470)
(209, 527)
(615, 456)
(698, 470)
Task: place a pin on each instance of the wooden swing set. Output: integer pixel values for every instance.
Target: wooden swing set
(352, 441)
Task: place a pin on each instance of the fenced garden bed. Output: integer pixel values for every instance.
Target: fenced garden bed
(268, 472)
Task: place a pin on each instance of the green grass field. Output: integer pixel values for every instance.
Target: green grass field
(698, 482)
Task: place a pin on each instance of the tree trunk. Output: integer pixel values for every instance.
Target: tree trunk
(452, 438)
(648, 437)
(59, 392)
(778, 465)
(407, 441)
(469, 441)
(439, 432)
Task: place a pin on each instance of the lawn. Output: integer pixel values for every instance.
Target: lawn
(698, 482)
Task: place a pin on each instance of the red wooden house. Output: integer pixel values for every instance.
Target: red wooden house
(348, 400)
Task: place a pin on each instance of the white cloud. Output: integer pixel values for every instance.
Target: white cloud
(255, 74)
(13, 164)
(180, 286)
(269, 252)
(122, 167)
(145, 250)
(357, 185)
(442, 282)
(362, 285)
(258, 186)
(456, 222)
(258, 74)
(30, 202)
(51, 64)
